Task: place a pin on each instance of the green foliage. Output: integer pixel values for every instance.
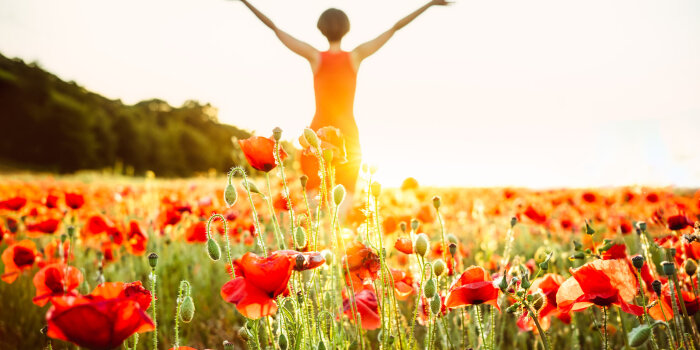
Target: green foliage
(60, 126)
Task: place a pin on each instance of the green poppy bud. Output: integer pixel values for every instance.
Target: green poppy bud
(321, 345)
(513, 308)
(544, 265)
(70, 231)
(243, 332)
(213, 249)
(452, 238)
(327, 300)
(525, 283)
(338, 194)
(436, 305)
(253, 188)
(403, 226)
(230, 195)
(430, 288)
(577, 256)
(439, 267)
(422, 244)
(187, 309)
(282, 341)
(376, 189)
(328, 256)
(578, 246)
(690, 267)
(639, 335)
(312, 138)
(300, 237)
(588, 229)
(414, 224)
(64, 237)
(503, 284)
(153, 260)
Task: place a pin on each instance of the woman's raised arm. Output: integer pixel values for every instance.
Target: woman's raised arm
(297, 46)
(366, 49)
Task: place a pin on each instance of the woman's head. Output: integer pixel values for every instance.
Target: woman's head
(333, 24)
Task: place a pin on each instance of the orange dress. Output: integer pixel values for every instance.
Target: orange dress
(334, 87)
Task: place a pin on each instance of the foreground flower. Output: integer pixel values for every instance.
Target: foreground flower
(367, 307)
(56, 280)
(258, 152)
(101, 320)
(363, 264)
(17, 257)
(258, 282)
(548, 285)
(602, 283)
(473, 287)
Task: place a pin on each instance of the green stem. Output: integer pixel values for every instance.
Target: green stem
(254, 212)
(278, 235)
(479, 324)
(153, 303)
(605, 328)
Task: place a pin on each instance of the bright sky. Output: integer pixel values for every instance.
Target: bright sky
(482, 93)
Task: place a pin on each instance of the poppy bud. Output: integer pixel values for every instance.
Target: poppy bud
(70, 231)
(376, 189)
(282, 341)
(656, 286)
(577, 255)
(453, 249)
(422, 244)
(300, 237)
(252, 188)
(690, 267)
(544, 265)
(311, 138)
(390, 340)
(338, 194)
(429, 289)
(64, 237)
(300, 260)
(439, 267)
(187, 309)
(513, 221)
(435, 305)
(403, 226)
(539, 300)
(328, 256)
(213, 249)
(327, 300)
(44, 330)
(327, 155)
(606, 246)
(639, 335)
(578, 246)
(230, 195)
(436, 202)
(642, 226)
(321, 345)
(243, 333)
(303, 180)
(503, 284)
(638, 261)
(525, 283)
(300, 297)
(588, 229)
(277, 133)
(669, 268)
(153, 260)
(414, 224)
(513, 308)
(452, 238)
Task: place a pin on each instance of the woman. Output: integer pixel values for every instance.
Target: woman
(335, 73)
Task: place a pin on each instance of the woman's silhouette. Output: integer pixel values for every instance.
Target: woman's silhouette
(335, 73)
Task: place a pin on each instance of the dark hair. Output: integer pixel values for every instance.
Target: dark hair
(333, 24)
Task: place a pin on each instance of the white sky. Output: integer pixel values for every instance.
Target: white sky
(482, 93)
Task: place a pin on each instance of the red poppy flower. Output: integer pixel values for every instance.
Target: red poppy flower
(473, 287)
(136, 239)
(51, 201)
(53, 254)
(101, 320)
(600, 282)
(535, 215)
(363, 264)
(403, 283)
(47, 226)
(55, 280)
(258, 282)
(197, 232)
(549, 286)
(367, 307)
(75, 200)
(97, 224)
(311, 260)
(17, 257)
(331, 139)
(678, 222)
(691, 304)
(258, 152)
(14, 204)
(404, 245)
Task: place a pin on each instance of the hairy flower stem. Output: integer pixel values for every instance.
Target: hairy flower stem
(347, 270)
(442, 234)
(686, 318)
(625, 337)
(605, 328)
(228, 244)
(542, 333)
(654, 344)
(479, 324)
(384, 267)
(281, 244)
(680, 334)
(254, 212)
(153, 304)
(290, 205)
(413, 339)
(177, 316)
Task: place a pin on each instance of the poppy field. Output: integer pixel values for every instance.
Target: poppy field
(277, 260)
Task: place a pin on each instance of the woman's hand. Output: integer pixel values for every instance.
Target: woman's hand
(440, 2)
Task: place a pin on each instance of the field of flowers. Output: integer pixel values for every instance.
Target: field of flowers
(234, 262)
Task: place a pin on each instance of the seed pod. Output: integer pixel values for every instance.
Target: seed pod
(338, 194)
(422, 244)
(376, 189)
(64, 237)
(439, 267)
(513, 221)
(403, 226)
(638, 261)
(282, 341)
(437, 202)
(277, 134)
(690, 267)
(656, 286)
(430, 288)
(303, 180)
(187, 309)
(642, 226)
(539, 300)
(300, 237)
(243, 333)
(70, 231)
(229, 346)
(230, 195)
(639, 335)
(153, 260)
(300, 261)
(435, 305)
(452, 249)
(414, 224)
(311, 138)
(669, 268)
(213, 249)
